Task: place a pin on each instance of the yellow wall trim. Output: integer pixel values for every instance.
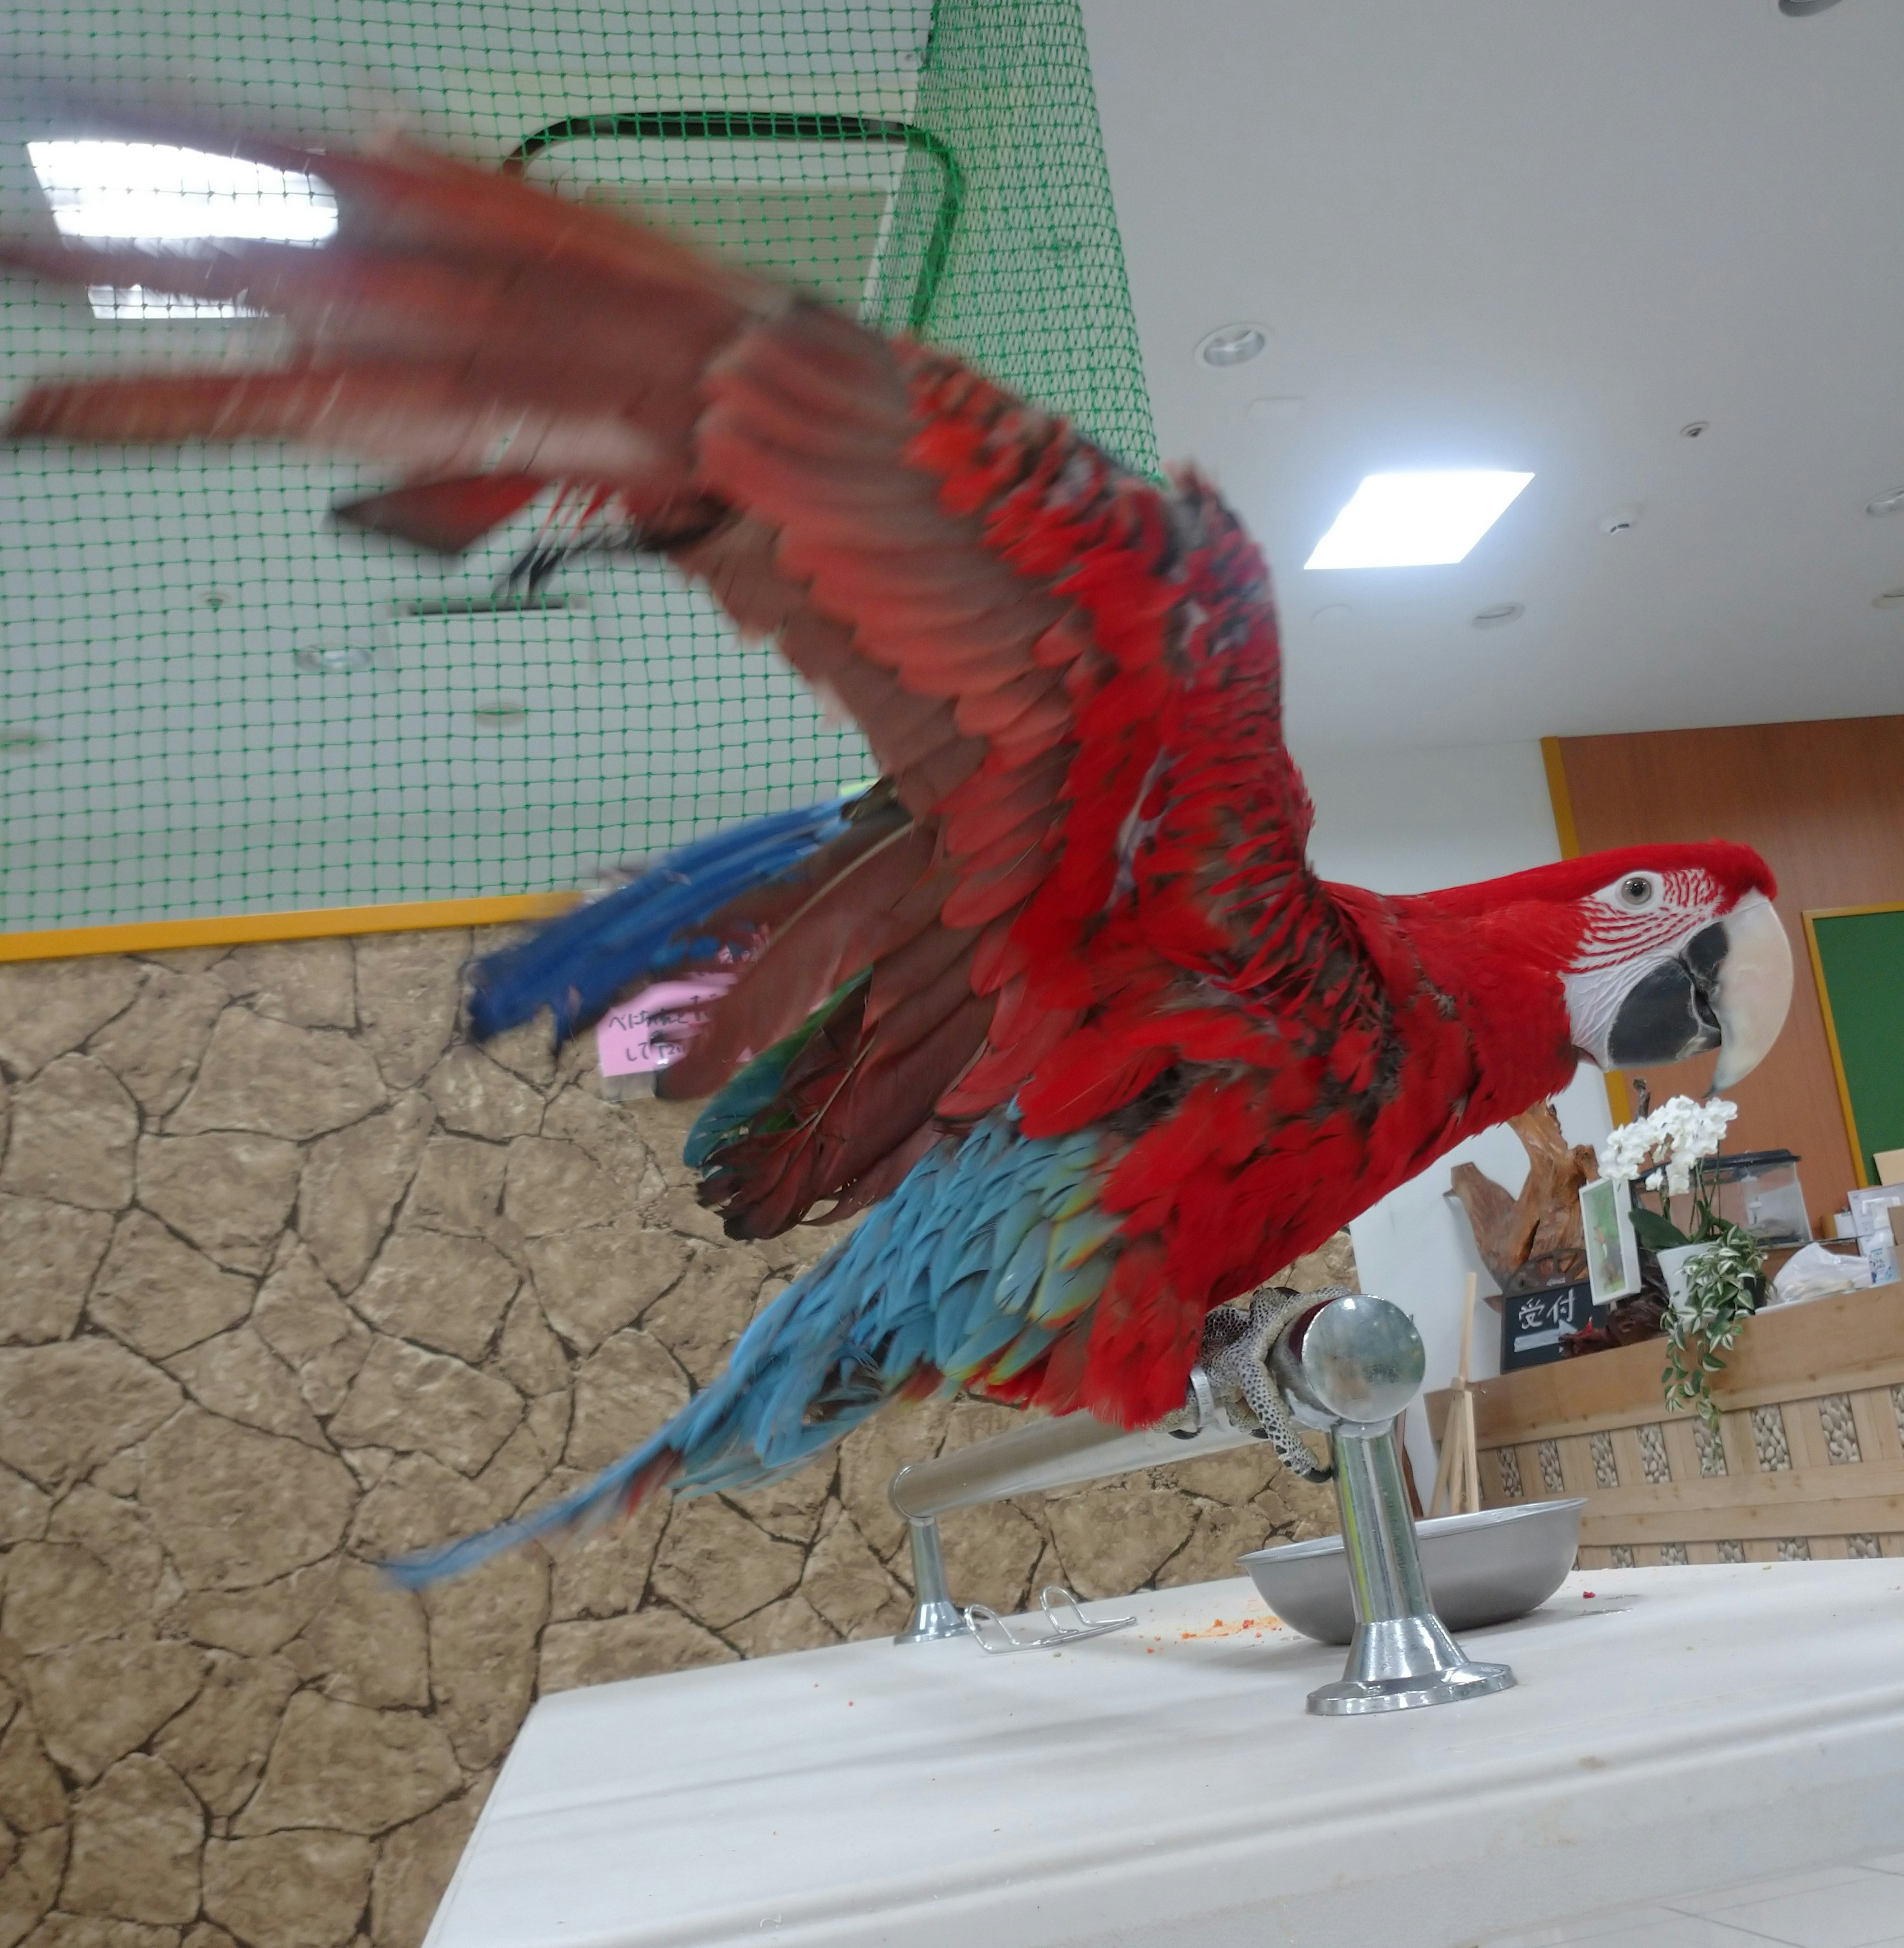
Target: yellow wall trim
(1559, 798)
(315, 923)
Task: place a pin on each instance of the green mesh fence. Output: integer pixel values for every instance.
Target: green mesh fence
(214, 703)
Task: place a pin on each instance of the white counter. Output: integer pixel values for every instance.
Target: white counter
(1687, 1727)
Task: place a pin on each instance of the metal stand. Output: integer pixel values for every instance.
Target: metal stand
(1350, 1369)
(1401, 1656)
(1347, 1364)
(1044, 1454)
(934, 1614)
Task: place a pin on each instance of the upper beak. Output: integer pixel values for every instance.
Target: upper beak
(1753, 988)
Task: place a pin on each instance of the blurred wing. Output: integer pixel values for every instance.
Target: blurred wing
(1069, 675)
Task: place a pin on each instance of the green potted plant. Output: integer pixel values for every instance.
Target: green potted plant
(1712, 1267)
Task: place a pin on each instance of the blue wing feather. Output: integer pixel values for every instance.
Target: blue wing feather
(654, 926)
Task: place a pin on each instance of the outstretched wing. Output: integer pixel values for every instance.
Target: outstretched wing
(1091, 901)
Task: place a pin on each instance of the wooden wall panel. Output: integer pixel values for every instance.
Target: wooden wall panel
(1824, 803)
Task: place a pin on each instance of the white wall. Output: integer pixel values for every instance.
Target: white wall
(1406, 822)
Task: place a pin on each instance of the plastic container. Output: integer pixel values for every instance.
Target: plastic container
(1758, 1190)
(1871, 1211)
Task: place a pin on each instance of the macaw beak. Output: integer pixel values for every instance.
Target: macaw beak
(1728, 988)
(1753, 992)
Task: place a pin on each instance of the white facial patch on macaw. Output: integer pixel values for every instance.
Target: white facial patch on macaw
(1640, 924)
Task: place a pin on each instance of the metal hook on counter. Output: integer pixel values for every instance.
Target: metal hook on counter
(1003, 1639)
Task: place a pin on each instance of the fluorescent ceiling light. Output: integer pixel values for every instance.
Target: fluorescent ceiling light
(135, 301)
(149, 192)
(1416, 520)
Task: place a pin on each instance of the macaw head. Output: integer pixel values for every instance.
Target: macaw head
(1681, 951)
(1662, 951)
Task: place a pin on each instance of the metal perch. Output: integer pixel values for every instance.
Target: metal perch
(1342, 1362)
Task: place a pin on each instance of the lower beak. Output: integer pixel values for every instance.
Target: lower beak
(1753, 988)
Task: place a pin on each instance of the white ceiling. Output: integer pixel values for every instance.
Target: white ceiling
(1543, 235)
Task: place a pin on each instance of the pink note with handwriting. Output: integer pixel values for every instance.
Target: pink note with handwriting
(648, 1033)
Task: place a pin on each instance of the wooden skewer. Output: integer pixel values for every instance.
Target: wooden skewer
(1471, 1493)
(1445, 1464)
(1467, 1327)
(1457, 1479)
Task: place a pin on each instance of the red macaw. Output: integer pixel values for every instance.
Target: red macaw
(1061, 997)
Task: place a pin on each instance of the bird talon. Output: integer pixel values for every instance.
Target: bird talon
(1236, 1348)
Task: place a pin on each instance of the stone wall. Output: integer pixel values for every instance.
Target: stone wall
(292, 1280)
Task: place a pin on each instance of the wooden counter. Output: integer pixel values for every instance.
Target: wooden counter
(1808, 1462)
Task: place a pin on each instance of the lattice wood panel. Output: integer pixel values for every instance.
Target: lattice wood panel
(1808, 1464)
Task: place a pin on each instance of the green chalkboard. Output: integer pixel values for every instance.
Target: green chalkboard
(1858, 952)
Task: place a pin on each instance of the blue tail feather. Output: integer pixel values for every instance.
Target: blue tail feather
(580, 1509)
(653, 926)
(886, 1308)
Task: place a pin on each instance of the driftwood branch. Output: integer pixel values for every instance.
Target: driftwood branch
(1539, 1232)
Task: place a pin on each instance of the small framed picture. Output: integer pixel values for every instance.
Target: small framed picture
(1612, 1252)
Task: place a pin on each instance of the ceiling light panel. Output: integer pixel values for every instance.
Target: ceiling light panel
(1416, 520)
(150, 193)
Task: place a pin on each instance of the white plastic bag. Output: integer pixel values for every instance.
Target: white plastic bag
(1817, 1273)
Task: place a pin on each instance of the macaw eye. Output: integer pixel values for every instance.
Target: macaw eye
(1636, 892)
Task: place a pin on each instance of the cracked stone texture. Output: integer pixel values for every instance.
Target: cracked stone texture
(295, 1280)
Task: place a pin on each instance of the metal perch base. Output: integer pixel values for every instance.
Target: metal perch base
(1345, 1364)
(1401, 1657)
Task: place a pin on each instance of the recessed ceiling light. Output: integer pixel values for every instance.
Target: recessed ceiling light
(1802, 10)
(1694, 428)
(1892, 598)
(1498, 614)
(1892, 503)
(1416, 520)
(1618, 521)
(1233, 345)
(334, 659)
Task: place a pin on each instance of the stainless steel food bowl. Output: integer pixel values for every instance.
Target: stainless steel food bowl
(1481, 1569)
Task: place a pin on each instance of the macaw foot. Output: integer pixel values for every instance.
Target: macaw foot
(1236, 1348)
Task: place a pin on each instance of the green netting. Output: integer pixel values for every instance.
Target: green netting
(213, 702)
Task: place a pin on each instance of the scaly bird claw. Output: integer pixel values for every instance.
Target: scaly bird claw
(1236, 1357)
